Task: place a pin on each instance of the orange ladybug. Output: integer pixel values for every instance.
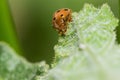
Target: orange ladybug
(60, 20)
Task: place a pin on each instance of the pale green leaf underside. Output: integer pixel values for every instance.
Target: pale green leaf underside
(88, 51)
(14, 67)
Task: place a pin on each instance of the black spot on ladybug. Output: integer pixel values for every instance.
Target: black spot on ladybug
(65, 9)
(54, 18)
(58, 11)
(61, 15)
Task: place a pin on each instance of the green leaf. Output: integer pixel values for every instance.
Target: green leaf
(14, 67)
(88, 51)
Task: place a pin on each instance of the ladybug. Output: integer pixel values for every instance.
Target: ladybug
(60, 20)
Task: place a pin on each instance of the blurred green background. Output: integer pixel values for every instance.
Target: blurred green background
(26, 24)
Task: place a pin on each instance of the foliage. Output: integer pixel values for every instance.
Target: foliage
(13, 67)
